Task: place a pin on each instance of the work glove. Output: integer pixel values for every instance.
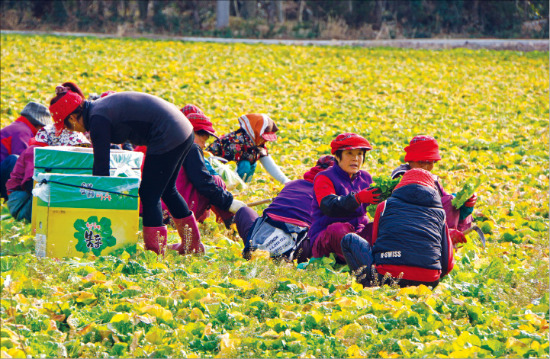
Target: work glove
(468, 207)
(236, 205)
(457, 236)
(369, 196)
(471, 201)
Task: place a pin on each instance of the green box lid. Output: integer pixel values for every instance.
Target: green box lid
(78, 160)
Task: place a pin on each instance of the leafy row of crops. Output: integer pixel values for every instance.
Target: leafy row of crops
(489, 112)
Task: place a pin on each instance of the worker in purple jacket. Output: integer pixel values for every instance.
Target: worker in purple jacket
(342, 195)
(145, 120)
(14, 138)
(282, 229)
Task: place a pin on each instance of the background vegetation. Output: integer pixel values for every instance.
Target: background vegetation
(489, 111)
(343, 19)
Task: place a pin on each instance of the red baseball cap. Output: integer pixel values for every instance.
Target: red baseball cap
(349, 141)
(201, 122)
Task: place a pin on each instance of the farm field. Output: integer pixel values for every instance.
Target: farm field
(489, 112)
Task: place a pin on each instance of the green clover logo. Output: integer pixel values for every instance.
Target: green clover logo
(93, 235)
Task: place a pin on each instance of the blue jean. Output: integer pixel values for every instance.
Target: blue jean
(358, 254)
(6, 166)
(20, 205)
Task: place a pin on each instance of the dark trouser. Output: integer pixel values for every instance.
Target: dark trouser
(358, 254)
(357, 251)
(6, 166)
(303, 252)
(158, 180)
(245, 219)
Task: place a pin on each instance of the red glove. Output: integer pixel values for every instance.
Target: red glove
(471, 201)
(368, 195)
(457, 236)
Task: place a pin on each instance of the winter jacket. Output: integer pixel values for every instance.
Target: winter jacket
(137, 117)
(452, 215)
(335, 200)
(14, 138)
(410, 235)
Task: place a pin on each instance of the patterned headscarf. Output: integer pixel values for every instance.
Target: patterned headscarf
(64, 107)
(46, 136)
(259, 125)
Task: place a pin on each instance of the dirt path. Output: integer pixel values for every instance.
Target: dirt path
(432, 44)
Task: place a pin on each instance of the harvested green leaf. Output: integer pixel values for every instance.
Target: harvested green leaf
(468, 189)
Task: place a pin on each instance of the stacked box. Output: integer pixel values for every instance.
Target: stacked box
(79, 160)
(76, 214)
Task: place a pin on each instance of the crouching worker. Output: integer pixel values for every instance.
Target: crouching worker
(411, 241)
(200, 189)
(282, 229)
(423, 152)
(342, 194)
(247, 145)
(143, 120)
(20, 184)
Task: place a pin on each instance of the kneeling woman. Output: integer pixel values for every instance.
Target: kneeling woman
(342, 194)
(146, 120)
(282, 229)
(411, 239)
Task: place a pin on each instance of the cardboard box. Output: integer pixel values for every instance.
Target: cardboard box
(79, 160)
(78, 215)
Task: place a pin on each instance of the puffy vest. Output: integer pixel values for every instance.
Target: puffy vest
(343, 185)
(411, 228)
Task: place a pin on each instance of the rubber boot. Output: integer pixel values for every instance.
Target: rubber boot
(155, 239)
(188, 229)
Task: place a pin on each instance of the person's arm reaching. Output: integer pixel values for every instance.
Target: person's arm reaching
(272, 168)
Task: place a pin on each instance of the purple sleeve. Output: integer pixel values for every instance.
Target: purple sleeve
(20, 143)
(22, 171)
(29, 165)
